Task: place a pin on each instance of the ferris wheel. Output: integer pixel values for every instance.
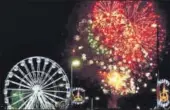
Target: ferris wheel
(36, 83)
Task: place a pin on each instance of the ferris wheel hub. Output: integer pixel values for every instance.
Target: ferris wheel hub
(37, 89)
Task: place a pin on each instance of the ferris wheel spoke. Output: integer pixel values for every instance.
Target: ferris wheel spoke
(32, 68)
(42, 102)
(29, 73)
(16, 89)
(43, 99)
(41, 76)
(34, 76)
(30, 103)
(38, 71)
(55, 91)
(24, 103)
(44, 67)
(21, 99)
(55, 86)
(43, 106)
(58, 97)
(53, 82)
(47, 101)
(49, 98)
(42, 82)
(22, 80)
(32, 65)
(17, 95)
(51, 76)
(24, 75)
(47, 74)
(49, 79)
(19, 84)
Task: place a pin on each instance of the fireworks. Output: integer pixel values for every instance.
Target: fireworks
(121, 36)
(118, 82)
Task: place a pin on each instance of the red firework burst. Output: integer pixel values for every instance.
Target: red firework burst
(130, 30)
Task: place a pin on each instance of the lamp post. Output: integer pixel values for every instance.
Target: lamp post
(74, 63)
(92, 104)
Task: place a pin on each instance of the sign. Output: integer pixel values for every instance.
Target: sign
(78, 96)
(163, 93)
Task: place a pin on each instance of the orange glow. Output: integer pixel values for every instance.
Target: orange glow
(117, 80)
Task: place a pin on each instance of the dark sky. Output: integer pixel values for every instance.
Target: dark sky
(35, 27)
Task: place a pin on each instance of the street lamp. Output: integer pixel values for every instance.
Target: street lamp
(97, 98)
(153, 90)
(86, 98)
(74, 64)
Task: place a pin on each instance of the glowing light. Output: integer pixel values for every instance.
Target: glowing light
(102, 80)
(37, 89)
(138, 107)
(77, 38)
(61, 85)
(154, 25)
(156, 74)
(153, 90)
(117, 82)
(105, 91)
(86, 98)
(91, 62)
(145, 85)
(115, 67)
(97, 98)
(83, 57)
(80, 47)
(101, 63)
(76, 63)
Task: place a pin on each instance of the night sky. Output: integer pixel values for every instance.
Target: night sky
(40, 28)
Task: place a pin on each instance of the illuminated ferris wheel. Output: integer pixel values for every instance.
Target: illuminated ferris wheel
(36, 83)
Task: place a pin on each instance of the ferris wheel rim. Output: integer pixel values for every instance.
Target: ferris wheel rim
(41, 57)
